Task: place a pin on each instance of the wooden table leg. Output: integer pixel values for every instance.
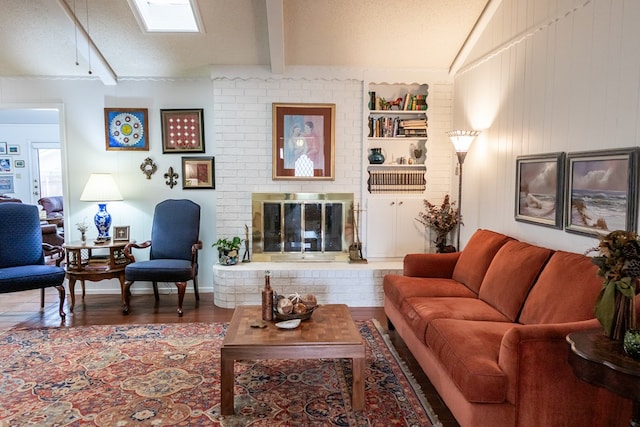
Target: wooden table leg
(72, 285)
(357, 395)
(226, 383)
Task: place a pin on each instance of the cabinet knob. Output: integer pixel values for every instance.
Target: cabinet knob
(400, 203)
(393, 203)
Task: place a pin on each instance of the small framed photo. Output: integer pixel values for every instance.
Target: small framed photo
(198, 173)
(540, 189)
(5, 165)
(3, 148)
(303, 141)
(182, 131)
(14, 149)
(601, 191)
(120, 232)
(18, 163)
(6, 184)
(126, 129)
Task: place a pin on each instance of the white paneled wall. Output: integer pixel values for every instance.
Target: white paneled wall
(546, 76)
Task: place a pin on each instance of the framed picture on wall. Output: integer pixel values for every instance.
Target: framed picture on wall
(6, 184)
(198, 173)
(3, 148)
(601, 192)
(18, 163)
(13, 149)
(126, 129)
(303, 141)
(182, 131)
(540, 189)
(5, 165)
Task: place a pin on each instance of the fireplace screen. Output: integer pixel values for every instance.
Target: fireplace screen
(301, 226)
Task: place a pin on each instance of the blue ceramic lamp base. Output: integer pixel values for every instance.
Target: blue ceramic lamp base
(102, 219)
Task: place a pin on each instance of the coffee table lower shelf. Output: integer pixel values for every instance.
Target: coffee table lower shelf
(330, 333)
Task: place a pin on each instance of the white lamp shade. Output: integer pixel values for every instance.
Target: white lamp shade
(101, 187)
(462, 139)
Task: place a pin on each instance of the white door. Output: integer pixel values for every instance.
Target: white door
(46, 170)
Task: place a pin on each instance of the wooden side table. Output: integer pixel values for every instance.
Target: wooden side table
(94, 262)
(601, 361)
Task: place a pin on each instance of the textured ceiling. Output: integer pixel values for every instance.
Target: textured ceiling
(39, 38)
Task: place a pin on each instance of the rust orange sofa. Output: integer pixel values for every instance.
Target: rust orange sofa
(488, 326)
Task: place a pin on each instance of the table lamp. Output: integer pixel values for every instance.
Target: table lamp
(101, 188)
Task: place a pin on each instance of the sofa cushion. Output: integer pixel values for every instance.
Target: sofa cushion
(420, 311)
(511, 275)
(566, 291)
(397, 288)
(468, 351)
(476, 257)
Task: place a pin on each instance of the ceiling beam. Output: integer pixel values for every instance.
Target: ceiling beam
(275, 27)
(474, 36)
(99, 65)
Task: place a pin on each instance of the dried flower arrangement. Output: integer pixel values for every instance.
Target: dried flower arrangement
(618, 264)
(442, 219)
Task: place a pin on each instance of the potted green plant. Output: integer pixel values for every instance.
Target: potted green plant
(228, 250)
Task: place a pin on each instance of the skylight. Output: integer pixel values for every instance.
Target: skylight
(167, 16)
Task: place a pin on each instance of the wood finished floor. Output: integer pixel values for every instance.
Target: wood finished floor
(22, 310)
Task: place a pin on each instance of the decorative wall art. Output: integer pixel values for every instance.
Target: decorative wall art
(13, 149)
(182, 131)
(3, 148)
(303, 141)
(540, 189)
(5, 165)
(601, 193)
(198, 172)
(126, 129)
(6, 184)
(148, 167)
(18, 163)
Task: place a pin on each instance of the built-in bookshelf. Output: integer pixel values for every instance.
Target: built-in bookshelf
(394, 179)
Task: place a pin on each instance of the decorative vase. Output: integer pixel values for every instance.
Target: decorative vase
(228, 257)
(376, 157)
(102, 221)
(83, 237)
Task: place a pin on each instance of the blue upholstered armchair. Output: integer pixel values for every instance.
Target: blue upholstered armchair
(22, 265)
(173, 256)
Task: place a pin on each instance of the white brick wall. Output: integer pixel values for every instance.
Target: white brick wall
(242, 120)
(357, 285)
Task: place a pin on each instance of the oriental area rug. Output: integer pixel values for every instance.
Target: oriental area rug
(169, 375)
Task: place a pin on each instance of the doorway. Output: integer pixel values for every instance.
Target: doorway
(46, 170)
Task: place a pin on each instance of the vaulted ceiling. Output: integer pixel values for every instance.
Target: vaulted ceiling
(44, 37)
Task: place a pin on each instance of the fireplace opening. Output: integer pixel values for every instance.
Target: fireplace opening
(301, 226)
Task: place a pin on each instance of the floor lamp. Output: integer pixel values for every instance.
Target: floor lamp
(461, 140)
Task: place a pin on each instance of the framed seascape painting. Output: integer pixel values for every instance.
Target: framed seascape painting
(303, 141)
(182, 131)
(126, 129)
(539, 189)
(601, 192)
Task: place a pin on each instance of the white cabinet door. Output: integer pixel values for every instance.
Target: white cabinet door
(392, 231)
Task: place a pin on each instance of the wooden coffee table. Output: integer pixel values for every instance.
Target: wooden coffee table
(330, 333)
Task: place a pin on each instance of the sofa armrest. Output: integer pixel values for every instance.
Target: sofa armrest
(430, 265)
(535, 360)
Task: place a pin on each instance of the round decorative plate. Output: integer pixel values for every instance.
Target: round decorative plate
(126, 129)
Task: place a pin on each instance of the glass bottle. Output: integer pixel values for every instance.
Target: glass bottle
(267, 297)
